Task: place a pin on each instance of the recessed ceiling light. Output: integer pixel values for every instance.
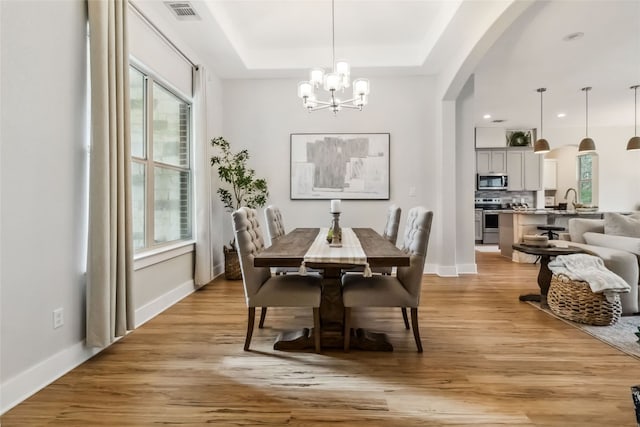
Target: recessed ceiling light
(561, 115)
(486, 116)
(573, 36)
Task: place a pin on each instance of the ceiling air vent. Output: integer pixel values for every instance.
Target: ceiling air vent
(182, 10)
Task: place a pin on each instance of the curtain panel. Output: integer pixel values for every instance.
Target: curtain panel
(204, 254)
(110, 248)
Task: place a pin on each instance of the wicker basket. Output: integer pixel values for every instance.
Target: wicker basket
(231, 265)
(573, 300)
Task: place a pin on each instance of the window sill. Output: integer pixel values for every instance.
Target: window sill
(156, 256)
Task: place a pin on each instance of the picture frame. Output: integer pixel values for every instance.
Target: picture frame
(348, 166)
(519, 137)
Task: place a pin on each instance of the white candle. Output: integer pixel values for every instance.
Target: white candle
(335, 206)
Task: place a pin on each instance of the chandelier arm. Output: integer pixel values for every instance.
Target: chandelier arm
(317, 101)
(324, 107)
(354, 107)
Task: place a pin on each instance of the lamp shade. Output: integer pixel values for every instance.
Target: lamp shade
(541, 146)
(633, 144)
(586, 146)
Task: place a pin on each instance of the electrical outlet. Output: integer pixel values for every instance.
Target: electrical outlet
(412, 191)
(58, 318)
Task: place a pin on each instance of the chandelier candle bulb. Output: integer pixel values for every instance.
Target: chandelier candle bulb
(361, 87)
(316, 77)
(335, 206)
(305, 89)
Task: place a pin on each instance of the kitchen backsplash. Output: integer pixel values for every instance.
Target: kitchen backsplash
(509, 197)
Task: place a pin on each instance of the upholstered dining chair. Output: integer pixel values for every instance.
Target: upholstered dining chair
(275, 229)
(390, 233)
(261, 289)
(403, 290)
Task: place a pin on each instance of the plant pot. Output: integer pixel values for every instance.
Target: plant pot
(232, 269)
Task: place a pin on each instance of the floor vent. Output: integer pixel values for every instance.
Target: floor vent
(182, 10)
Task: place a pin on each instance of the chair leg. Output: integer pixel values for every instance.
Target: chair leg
(416, 329)
(263, 314)
(317, 333)
(405, 318)
(250, 321)
(347, 327)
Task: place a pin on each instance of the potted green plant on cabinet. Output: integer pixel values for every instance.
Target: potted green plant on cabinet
(242, 189)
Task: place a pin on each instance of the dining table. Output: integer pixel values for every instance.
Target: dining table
(290, 251)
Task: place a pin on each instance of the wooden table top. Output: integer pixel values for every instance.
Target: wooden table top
(289, 250)
(546, 250)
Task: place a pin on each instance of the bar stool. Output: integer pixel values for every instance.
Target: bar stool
(549, 230)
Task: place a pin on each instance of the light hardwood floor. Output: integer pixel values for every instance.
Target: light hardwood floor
(488, 360)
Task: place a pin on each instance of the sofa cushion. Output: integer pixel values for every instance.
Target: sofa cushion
(579, 226)
(621, 225)
(623, 243)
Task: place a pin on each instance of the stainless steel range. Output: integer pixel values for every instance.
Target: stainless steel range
(489, 207)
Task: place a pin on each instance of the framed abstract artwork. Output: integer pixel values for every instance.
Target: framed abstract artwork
(349, 166)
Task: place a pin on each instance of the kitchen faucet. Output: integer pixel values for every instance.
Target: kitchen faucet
(575, 196)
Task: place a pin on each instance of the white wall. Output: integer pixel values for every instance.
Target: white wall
(259, 117)
(44, 157)
(618, 171)
(465, 175)
(43, 172)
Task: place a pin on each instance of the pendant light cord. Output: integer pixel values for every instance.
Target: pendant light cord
(586, 115)
(541, 128)
(635, 110)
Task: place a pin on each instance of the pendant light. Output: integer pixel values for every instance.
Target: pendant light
(586, 145)
(634, 142)
(541, 145)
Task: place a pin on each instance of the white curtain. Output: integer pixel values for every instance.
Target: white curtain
(110, 250)
(204, 262)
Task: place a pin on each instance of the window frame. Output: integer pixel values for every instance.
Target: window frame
(151, 247)
(592, 180)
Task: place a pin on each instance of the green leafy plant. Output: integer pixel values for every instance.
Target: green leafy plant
(243, 188)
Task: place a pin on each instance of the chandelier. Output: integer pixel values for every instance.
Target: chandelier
(337, 80)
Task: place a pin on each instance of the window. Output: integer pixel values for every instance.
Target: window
(586, 170)
(161, 163)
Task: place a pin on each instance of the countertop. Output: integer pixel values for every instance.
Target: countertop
(546, 212)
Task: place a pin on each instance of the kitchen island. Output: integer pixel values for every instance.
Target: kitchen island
(514, 224)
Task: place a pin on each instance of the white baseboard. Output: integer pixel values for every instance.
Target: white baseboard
(16, 389)
(218, 270)
(447, 271)
(467, 268)
(29, 382)
(160, 304)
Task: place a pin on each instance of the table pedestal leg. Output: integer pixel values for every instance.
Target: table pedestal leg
(332, 323)
(544, 281)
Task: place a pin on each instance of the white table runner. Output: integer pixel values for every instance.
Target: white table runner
(351, 251)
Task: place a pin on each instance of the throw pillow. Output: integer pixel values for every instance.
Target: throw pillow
(621, 225)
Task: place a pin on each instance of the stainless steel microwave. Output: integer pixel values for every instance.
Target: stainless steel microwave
(492, 181)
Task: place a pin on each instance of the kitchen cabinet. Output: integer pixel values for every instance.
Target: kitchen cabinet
(491, 161)
(524, 169)
(550, 174)
(478, 221)
(490, 138)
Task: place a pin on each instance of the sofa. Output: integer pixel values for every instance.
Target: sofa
(615, 239)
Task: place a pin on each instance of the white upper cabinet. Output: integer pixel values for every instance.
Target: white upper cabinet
(490, 138)
(524, 169)
(491, 161)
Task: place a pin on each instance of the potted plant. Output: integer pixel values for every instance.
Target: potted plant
(243, 189)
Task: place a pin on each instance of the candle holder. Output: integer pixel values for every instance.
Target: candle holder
(336, 232)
